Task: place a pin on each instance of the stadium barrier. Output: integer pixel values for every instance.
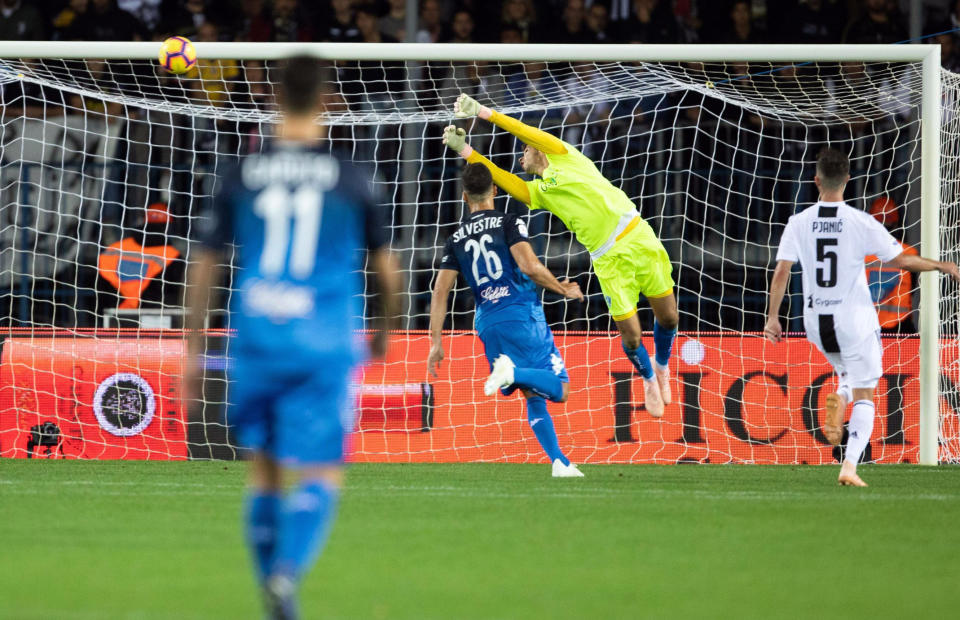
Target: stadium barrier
(108, 394)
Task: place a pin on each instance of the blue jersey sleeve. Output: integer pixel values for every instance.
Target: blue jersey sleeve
(514, 230)
(215, 228)
(448, 260)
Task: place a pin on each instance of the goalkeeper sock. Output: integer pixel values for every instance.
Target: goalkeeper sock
(640, 359)
(542, 382)
(261, 516)
(859, 430)
(304, 524)
(663, 343)
(542, 425)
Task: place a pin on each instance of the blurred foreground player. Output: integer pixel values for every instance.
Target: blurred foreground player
(300, 219)
(492, 251)
(830, 240)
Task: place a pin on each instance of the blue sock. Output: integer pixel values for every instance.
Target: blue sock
(663, 343)
(262, 512)
(542, 425)
(640, 360)
(304, 524)
(540, 381)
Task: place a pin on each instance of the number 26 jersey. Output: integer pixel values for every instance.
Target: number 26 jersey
(480, 250)
(830, 240)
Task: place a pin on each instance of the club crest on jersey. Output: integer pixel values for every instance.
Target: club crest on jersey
(547, 183)
(494, 294)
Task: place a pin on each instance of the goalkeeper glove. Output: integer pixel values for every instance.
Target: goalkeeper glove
(466, 106)
(455, 138)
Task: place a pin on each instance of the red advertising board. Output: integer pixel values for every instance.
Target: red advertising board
(737, 399)
(92, 398)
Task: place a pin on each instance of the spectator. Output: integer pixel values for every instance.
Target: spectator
(742, 28)
(486, 19)
(253, 24)
(511, 34)
(598, 24)
(652, 22)
(949, 48)
(217, 77)
(147, 11)
(573, 27)
(521, 15)
(462, 28)
(394, 23)
(20, 21)
(816, 21)
(620, 11)
(65, 22)
(287, 23)
(431, 24)
(877, 26)
(104, 21)
(182, 17)
(368, 23)
(342, 24)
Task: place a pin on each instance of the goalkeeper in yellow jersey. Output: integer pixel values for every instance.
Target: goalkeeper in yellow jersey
(627, 257)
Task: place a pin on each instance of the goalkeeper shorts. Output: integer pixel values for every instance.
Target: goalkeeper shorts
(636, 265)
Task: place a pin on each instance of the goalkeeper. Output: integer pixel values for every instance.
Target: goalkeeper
(627, 257)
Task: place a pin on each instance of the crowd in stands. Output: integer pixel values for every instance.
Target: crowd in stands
(481, 21)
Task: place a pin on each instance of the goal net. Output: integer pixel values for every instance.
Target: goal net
(107, 165)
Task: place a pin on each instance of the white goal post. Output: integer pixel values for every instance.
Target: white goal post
(931, 124)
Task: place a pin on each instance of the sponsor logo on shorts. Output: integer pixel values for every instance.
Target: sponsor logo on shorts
(494, 294)
(278, 301)
(557, 362)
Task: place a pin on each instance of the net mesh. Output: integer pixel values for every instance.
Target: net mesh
(106, 167)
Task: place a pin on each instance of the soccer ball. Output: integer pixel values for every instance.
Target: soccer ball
(177, 55)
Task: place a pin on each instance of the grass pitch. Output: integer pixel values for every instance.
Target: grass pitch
(163, 540)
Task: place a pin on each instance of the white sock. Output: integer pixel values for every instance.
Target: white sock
(844, 391)
(860, 428)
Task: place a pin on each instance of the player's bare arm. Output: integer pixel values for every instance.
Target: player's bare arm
(200, 280)
(531, 266)
(388, 277)
(446, 278)
(919, 264)
(456, 139)
(773, 331)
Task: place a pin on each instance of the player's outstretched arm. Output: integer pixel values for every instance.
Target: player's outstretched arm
(456, 139)
(773, 331)
(531, 266)
(467, 106)
(446, 278)
(384, 265)
(918, 264)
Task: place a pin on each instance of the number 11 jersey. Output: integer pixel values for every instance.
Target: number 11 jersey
(830, 240)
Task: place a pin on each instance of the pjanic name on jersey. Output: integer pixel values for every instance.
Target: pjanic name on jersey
(827, 226)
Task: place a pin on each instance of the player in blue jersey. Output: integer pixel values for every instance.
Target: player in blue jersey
(492, 251)
(300, 219)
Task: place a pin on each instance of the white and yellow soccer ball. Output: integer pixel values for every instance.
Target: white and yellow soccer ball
(177, 55)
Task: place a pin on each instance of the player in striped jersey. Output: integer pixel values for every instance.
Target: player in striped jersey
(627, 257)
(830, 240)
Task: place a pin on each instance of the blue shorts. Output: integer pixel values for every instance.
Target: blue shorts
(296, 418)
(529, 344)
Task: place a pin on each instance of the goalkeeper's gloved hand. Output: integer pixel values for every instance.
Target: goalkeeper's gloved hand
(466, 106)
(454, 137)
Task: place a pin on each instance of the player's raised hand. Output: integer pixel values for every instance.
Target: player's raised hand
(772, 331)
(571, 290)
(433, 360)
(454, 137)
(465, 106)
(951, 270)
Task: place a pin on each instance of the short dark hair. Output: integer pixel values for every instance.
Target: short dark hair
(477, 181)
(833, 166)
(301, 83)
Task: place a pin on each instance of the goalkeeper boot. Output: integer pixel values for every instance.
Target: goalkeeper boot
(565, 471)
(500, 377)
(280, 598)
(834, 409)
(663, 380)
(652, 398)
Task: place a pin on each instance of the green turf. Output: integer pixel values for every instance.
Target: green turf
(163, 540)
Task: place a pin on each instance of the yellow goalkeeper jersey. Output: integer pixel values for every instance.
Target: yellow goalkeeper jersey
(591, 206)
